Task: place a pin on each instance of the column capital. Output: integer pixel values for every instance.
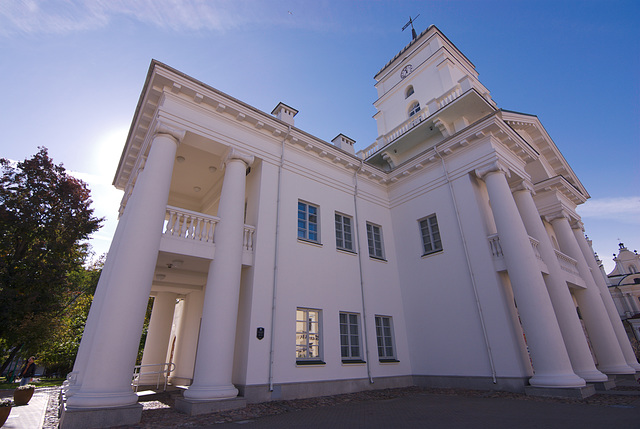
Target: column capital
(522, 186)
(235, 153)
(176, 133)
(494, 166)
(560, 214)
(578, 224)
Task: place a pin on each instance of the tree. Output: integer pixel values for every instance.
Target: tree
(45, 220)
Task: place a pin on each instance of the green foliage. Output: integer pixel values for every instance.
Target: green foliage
(145, 329)
(45, 220)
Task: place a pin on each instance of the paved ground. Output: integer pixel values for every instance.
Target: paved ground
(389, 408)
(30, 416)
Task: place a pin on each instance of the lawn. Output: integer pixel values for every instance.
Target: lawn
(38, 382)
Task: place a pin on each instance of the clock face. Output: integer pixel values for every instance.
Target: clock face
(406, 71)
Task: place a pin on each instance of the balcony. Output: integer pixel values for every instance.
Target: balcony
(568, 265)
(191, 233)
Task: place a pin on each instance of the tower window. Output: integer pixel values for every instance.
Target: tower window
(415, 108)
(409, 91)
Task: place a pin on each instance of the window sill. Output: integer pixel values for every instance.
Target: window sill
(433, 252)
(376, 258)
(313, 243)
(388, 360)
(353, 361)
(309, 362)
(347, 251)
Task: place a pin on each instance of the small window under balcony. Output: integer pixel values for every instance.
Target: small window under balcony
(415, 108)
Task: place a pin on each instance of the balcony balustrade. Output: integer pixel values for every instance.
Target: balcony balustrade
(193, 233)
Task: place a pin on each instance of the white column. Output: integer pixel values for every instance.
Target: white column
(187, 341)
(614, 317)
(157, 343)
(214, 363)
(565, 311)
(552, 367)
(603, 338)
(109, 362)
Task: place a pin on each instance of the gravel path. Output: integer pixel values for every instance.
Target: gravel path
(158, 411)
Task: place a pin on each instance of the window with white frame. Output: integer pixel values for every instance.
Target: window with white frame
(430, 232)
(384, 335)
(308, 335)
(415, 108)
(308, 225)
(344, 234)
(374, 239)
(350, 348)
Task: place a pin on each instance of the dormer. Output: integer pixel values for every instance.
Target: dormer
(284, 113)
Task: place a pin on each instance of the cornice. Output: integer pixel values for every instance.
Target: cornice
(561, 185)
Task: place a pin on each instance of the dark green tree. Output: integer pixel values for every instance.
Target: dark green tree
(45, 220)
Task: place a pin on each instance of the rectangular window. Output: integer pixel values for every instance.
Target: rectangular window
(344, 235)
(430, 235)
(308, 346)
(374, 238)
(350, 337)
(384, 335)
(308, 222)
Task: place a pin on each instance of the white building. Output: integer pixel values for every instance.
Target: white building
(624, 286)
(447, 253)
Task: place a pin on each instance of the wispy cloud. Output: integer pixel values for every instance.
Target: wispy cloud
(68, 16)
(623, 209)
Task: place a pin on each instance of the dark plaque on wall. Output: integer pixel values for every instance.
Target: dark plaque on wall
(260, 333)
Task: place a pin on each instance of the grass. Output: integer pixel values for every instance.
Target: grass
(38, 382)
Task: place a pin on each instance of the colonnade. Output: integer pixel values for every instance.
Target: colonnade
(557, 344)
(107, 355)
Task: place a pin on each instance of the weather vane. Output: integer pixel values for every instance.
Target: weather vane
(410, 23)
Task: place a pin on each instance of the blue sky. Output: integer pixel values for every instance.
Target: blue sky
(73, 71)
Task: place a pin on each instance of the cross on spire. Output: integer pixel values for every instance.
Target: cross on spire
(410, 23)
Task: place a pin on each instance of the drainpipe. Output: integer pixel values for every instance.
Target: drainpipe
(473, 280)
(275, 262)
(364, 312)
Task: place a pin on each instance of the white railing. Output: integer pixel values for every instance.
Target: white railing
(567, 263)
(161, 373)
(190, 225)
(496, 247)
(247, 238)
(447, 98)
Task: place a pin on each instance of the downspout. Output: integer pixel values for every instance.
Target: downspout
(364, 312)
(275, 262)
(473, 279)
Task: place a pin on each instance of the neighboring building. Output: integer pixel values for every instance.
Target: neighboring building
(447, 253)
(624, 285)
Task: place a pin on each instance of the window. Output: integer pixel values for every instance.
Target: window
(308, 222)
(374, 237)
(430, 235)
(350, 349)
(409, 91)
(308, 335)
(344, 237)
(384, 334)
(415, 108)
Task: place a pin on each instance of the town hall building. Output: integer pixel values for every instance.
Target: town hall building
(448, 253)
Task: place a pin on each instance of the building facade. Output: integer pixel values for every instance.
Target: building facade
(624, 286)
(447, 253)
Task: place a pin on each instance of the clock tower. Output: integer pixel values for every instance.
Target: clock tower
(420, 81)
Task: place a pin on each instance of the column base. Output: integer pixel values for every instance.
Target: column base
(102, 399)
(556, 381)
(208, 393)
(605, 385)
(573, 392)
(592, 376)
(634, 365)
(193, 408)
(616, 369)
(81, 418)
